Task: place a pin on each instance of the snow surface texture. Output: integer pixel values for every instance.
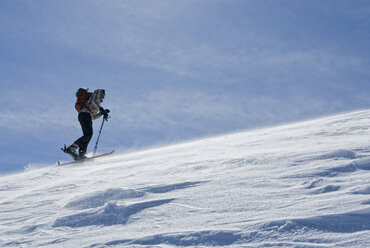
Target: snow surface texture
(298, 185)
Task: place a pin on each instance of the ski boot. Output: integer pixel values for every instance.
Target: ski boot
(71, 150)
(81, 155)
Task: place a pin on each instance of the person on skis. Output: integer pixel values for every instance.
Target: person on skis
(89, 109)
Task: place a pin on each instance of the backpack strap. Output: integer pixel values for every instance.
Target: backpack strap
(81, 101)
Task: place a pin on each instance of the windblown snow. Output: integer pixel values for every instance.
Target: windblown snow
(297, 185)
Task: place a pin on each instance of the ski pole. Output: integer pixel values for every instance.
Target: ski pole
(97, 140)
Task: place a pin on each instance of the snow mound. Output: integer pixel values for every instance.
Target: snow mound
(326, 189)
(364, 191)
(297, 185)
(192, 239)
(101, 198)
(110, 214)
(337, 154)
(350, 222)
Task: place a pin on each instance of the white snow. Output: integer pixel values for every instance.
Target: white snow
(297, 185)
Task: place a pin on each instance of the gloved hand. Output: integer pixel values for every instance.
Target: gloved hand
(104, 112)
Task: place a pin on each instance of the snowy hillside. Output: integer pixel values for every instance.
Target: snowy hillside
(298, 185)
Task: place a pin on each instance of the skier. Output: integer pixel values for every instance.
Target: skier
(88, 108)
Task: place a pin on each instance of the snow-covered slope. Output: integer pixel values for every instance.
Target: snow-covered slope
(298, 185)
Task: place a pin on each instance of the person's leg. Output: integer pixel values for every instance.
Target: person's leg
(87, 129)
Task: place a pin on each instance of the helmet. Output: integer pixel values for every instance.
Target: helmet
(81, 91)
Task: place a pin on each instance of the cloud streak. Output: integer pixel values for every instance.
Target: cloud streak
(176, 70)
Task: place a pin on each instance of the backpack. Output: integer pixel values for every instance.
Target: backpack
(82, 96)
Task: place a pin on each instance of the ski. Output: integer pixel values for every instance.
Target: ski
(85, 159)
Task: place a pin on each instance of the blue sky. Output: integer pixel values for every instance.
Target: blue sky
(174, 70)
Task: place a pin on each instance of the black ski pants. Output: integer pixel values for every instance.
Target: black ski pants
(87, 129)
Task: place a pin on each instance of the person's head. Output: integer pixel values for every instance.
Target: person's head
(81, 91)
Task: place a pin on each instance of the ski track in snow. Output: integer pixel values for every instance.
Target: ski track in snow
(297, 185)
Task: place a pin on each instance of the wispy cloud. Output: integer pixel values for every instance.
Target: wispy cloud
(180, 69)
